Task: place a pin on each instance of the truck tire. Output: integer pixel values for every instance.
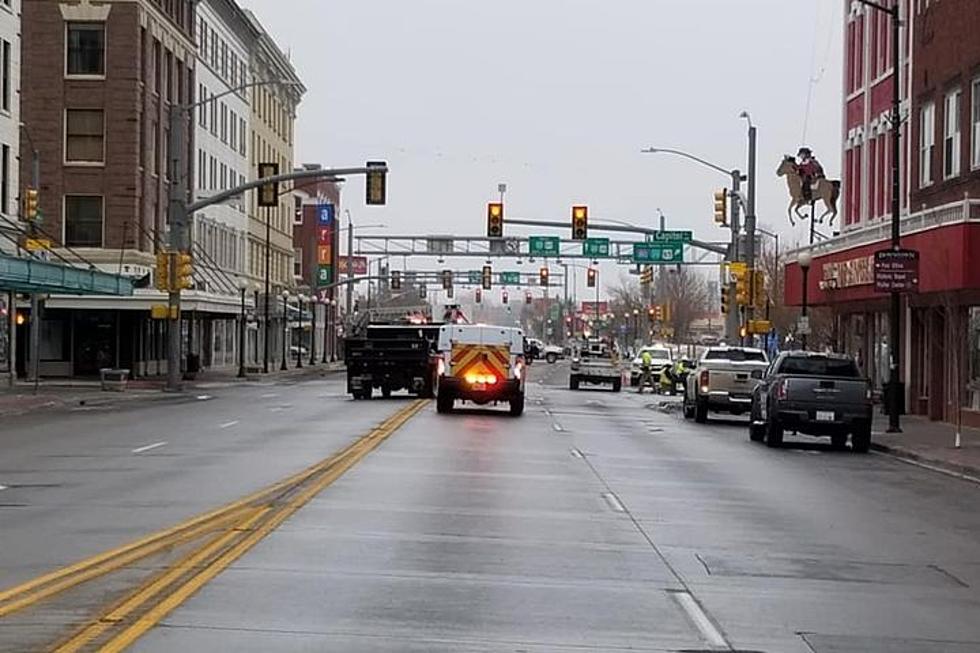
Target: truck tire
(861, 439)
(517, 405)
(756, 431)
(573, 382)
(386, 392)
(700, 411)
(444, 403)
(617, 385)
(551, 358)
(774, 433)
(687, 409)
(838, 441)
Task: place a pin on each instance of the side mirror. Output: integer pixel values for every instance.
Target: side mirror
(756, 374)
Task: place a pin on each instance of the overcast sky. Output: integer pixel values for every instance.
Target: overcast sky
(556, 98)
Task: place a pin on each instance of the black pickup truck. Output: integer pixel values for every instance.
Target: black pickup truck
(816, 394)
(392, 357)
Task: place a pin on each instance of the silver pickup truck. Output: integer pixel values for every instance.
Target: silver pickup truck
(723, 381)
(815, 394)
(595, 363)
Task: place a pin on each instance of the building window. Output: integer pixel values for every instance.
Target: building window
(5, 77)
(202, 110)
(202, 169)
(83, 221)
(84, 136)
(241, 136)
(214, 173)
(233, 132)
(86, 49)
(298, 262)
(157, 65)
(975, 120)
(951, 135)
(927, 141)
(224, 122)
(5, 180)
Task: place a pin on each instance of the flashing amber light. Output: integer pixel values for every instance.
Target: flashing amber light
(20, 319)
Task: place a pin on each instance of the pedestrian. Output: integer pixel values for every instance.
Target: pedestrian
(646, 363)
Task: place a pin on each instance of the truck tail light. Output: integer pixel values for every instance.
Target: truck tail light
(441, 367)
(867, 392)
(705, 378)
(518, 368)
(781, 389)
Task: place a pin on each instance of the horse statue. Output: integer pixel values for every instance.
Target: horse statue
(826, 190)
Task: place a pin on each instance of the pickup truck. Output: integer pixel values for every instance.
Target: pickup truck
(392, 357)
(723, 380)
(595, 363)
(816, 394)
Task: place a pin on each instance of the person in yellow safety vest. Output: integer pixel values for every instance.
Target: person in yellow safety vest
(646, 362)
(672, 375)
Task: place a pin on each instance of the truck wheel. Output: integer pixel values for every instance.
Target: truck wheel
(386, 392)
(444, 403)
(634, 381)
(573, 383)
(838, 441)
(617, 385)
(551, 358)
(861, 439)
(756, 431)
(517, 405)
(700, 411)
(687, 409)
(774, 433)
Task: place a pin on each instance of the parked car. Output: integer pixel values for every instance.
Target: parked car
(534, 350)
(662, 360)
(723, 380)
(816, 394)
(554, 352)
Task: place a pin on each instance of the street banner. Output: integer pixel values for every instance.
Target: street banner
(360, 264)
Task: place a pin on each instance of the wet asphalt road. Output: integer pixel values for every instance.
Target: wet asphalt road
(595, 522)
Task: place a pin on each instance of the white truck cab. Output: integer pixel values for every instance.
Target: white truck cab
(480, 363)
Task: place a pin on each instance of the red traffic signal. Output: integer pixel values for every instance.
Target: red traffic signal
(503, 296)
(527, 297)
(543, 276)
(479, 296)
(591, 277)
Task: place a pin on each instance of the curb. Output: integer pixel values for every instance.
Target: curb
(965, 472)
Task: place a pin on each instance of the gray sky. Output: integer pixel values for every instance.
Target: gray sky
(556, 98)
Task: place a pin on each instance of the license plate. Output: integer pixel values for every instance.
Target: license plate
(479, 386)
(825, 416)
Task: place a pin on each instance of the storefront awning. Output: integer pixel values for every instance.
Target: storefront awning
(26, 275)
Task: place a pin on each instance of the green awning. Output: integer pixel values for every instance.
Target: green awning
(28, 275)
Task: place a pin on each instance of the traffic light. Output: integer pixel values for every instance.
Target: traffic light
(580, 222)
(591, 277)
(162, 281)
(543, 276)
(658, 312)
(422, 291)
(30, 204)
(759, 298)
(503, 296)
(376, 186)
(185, 271)
(269, 193)
(478, 297)
(495, 220)
(725, 300)
(721, 207)
(646, 276)
(487, 277)
(527, 297)
(741, 285)
(396, 280)
(447, 279)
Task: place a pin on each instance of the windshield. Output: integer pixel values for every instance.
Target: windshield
(735, 355)
(819, 366)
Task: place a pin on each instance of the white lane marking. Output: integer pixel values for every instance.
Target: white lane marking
(270, 395)
(228, 424)
(2, 488)
(557, 427)
(576, 453)
(613, 502)
(708, 630)
(204, 397)
(150, 447)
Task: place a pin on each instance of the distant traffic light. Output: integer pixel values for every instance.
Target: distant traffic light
(162, 281)
(447, 279)
(185, 271)
(759, 299)
(591, 277)
(495, 220)
(725, 300)
(721, 207)
(269, 193)
(376, 186)
(543, 276)
(527, 297)
(396, 280)
(478, 297)
(30, 204)
(646, 275)
(503, 296)
(487, 277)
(742, 285)
(423, 291)
(580, 222)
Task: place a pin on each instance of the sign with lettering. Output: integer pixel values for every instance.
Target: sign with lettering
(325, 214)
(896, 270)
(359, 263)
(857, 271)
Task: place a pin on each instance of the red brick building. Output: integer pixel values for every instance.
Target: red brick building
(98, 79)
(940, 81)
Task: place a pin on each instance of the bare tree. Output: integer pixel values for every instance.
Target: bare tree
(686, 292)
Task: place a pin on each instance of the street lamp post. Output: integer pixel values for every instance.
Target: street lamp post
(300, 299)
(805, 260)
(285, 330)
(314, 302)
(774, 236)
(326, 329)
(243, 286)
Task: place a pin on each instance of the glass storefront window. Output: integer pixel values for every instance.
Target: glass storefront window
(973, 383)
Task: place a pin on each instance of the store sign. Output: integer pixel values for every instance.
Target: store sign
(896, 270)
(845, 274)
(590, 309)
(325, 214)
(359, 263)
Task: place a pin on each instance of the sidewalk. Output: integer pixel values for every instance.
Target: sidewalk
(931, 443)
(54, 394)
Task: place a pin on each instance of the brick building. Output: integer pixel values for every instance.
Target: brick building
(940, 84)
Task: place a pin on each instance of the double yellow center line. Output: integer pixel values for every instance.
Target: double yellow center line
(229, 532)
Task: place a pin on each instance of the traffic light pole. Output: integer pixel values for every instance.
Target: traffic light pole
(178, 240)
(732, 320)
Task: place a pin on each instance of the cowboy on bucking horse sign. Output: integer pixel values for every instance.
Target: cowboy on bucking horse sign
(811, 171)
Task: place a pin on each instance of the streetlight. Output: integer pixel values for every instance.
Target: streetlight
(243, 286)
(314, 302)
(636, 325)
(299, 345)
(774, 236)
(805, 260)
(332, 310)
(285, 321)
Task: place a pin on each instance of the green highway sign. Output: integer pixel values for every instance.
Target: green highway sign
(658, 253)
(555, 312)
(475, 277)
(595, 247)
(544, 246)
(670, 237)
(510, 278)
